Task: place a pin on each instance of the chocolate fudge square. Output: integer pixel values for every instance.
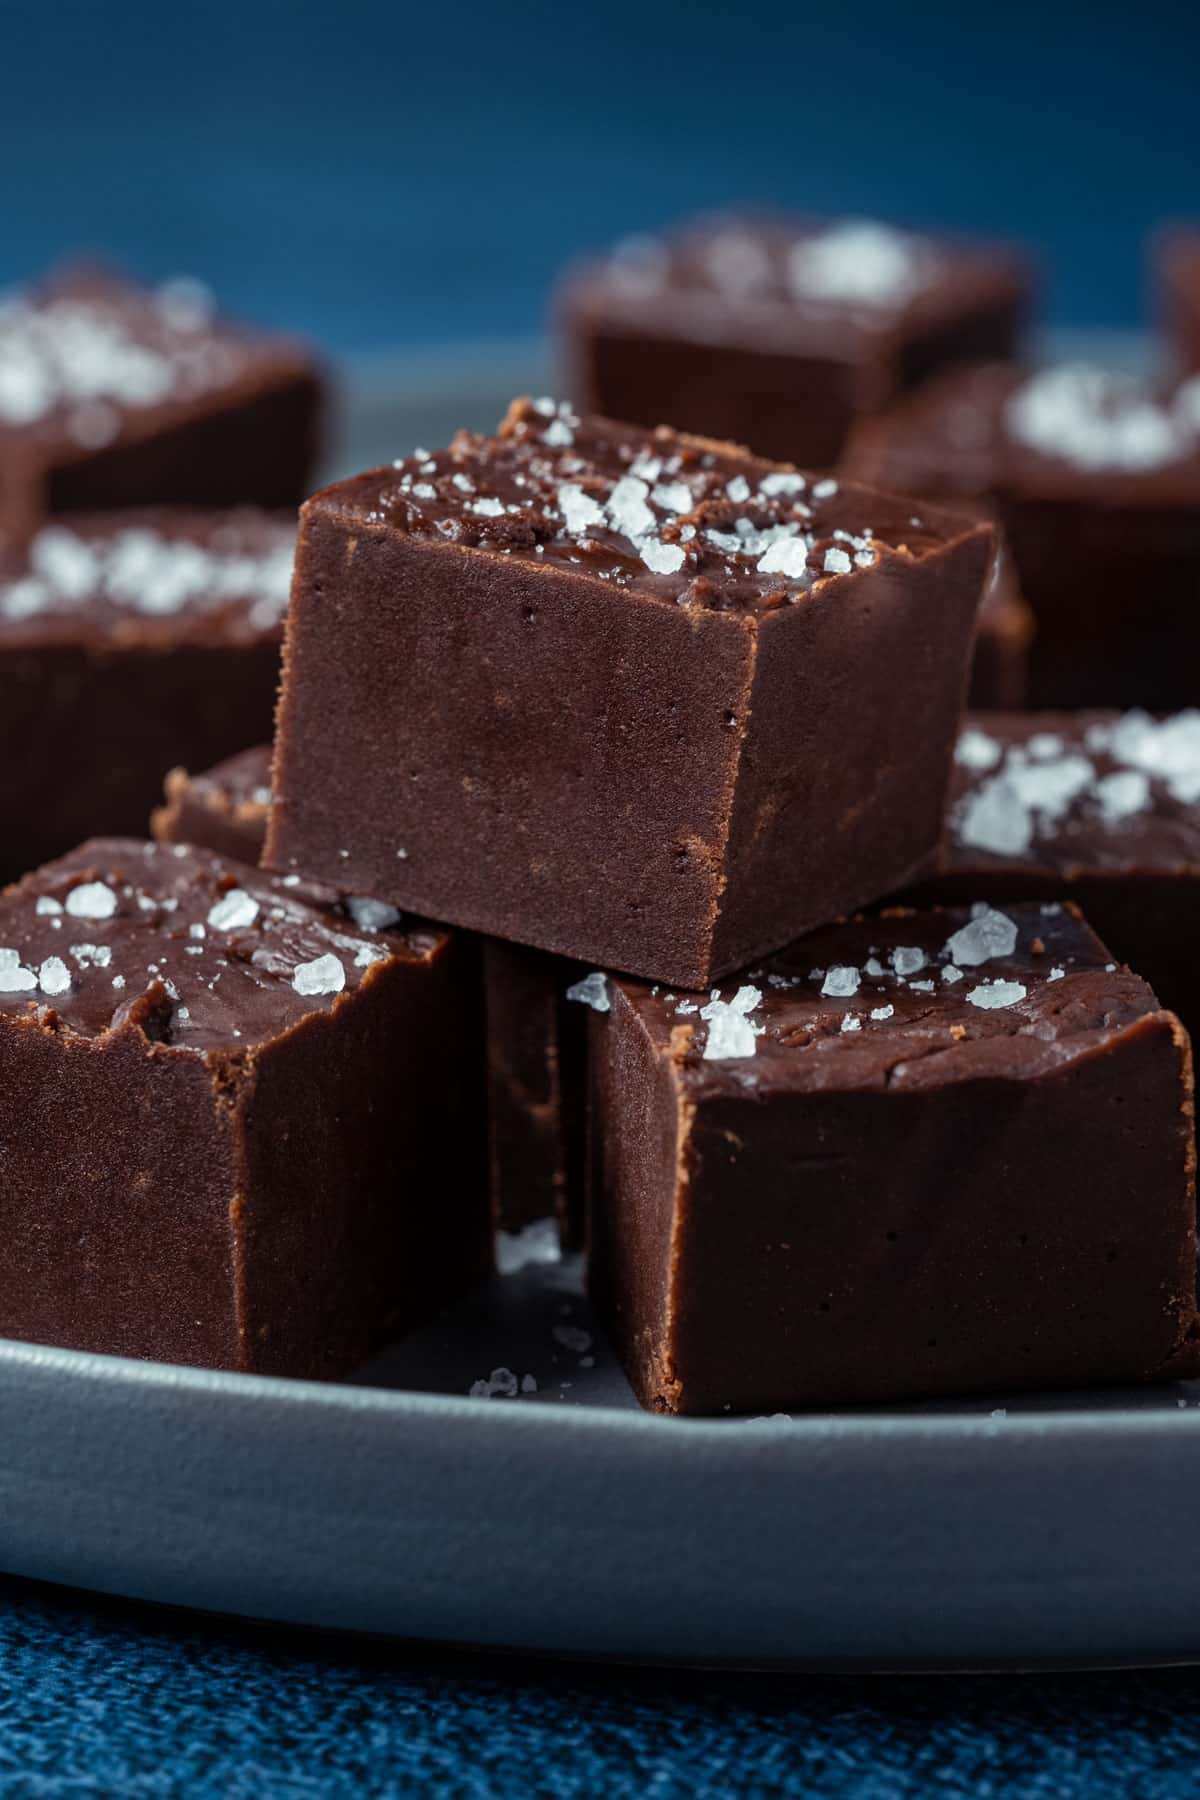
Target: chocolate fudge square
(536, 1040)
(928, 1153)
(627, 697)
(1095, 477)
(118, 395)
(1102, 808)
(130, 642)
(238, 1130)
(779, 333)
(1177, 284)
(223, 808)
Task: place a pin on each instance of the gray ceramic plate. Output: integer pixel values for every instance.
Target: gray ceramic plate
(562, 1518)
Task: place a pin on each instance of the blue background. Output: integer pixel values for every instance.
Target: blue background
(384, 174)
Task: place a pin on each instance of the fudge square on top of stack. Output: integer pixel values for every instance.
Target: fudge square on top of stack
(635, 698)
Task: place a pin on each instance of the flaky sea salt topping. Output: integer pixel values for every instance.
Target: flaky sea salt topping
(731, 1032)
(1029, 789)
(90, 356)
(857, 264)
(861, 263)
(698, 524)
(324, 975)
(1099, 419)
(169, 937)
(591, 990)
(987, 936)
(155, 574)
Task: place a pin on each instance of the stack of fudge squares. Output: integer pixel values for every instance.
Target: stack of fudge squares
(624, 855)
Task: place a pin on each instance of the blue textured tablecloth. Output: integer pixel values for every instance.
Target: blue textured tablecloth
(102, 1698)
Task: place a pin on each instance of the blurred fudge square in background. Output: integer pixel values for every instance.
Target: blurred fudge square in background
(629, 697)
(918, 1154)
(260, 1140)
(1176, 279)
(117, 395)
(1102, 808)
(130, 642)
(779, 333)
(1095, 477)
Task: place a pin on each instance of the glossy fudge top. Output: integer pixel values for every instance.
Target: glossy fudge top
(993, 428)
(906, 1000)
(161, 575)
(205, 954)
(85, 354)
(1066, 792)
(738, 278)
(679, 518)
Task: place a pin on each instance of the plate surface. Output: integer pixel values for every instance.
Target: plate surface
(561, 1518)
(567, 1520)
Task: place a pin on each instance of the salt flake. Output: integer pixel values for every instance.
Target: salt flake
(994, 994)
(991, 934)
(324, 975)
(841, 982)
(91, 900)
(54, 977)
(234, 911)
(591, 990)
(730, 1032)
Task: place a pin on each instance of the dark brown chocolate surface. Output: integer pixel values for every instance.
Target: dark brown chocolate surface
(779, 332)
(917, 1154)
(1098, 807)
(1096, 478)
(239, 1130)
(229, 962)
(223, 808)
(115, 395)
(130, 642)
(582, 749)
